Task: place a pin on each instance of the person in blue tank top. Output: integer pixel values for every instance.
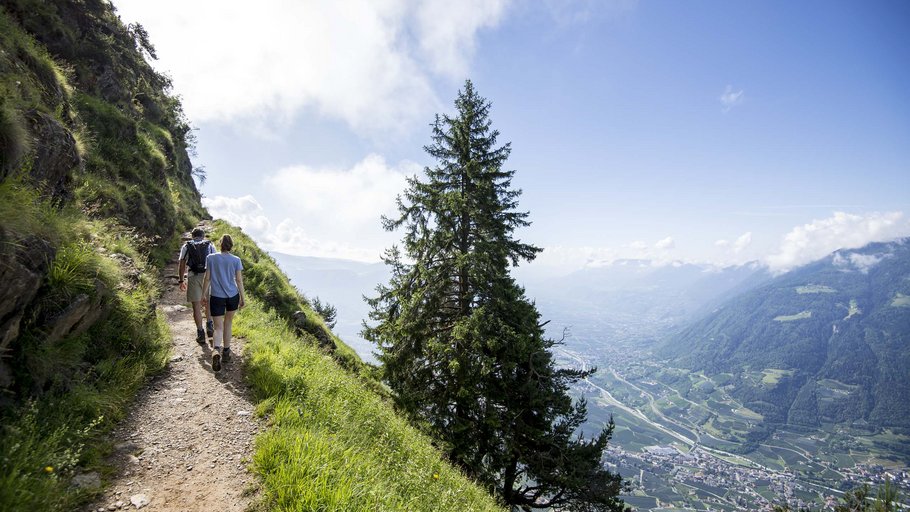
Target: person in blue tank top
(224, 285)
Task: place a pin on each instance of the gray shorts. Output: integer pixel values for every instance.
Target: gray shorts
(194, 287)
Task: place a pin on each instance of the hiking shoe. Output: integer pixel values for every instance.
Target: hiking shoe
(216, 361)
(200, 336)
(226, 355)
(210, 328)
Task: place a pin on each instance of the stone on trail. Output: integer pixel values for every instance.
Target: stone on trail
(87, 481)
(139, 500)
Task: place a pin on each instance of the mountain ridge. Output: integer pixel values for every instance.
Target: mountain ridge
(840, 319)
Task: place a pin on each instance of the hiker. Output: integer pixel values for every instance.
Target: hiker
(224, 286)
(192, 256)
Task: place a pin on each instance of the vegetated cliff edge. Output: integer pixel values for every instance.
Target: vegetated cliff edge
(94, 147)
(96, 184)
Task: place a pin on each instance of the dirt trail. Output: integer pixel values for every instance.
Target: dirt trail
(187, 440)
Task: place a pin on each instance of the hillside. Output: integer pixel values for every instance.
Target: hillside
(825, 343)
(96, 188)
(95, 185)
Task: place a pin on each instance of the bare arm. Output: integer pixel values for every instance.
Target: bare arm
(181, 272)
(238, 276)
(205, 286)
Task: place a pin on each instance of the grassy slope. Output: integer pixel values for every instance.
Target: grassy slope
(85, 382)
(333, 442)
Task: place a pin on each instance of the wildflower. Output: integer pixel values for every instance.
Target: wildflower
(435, 476)
(49, 469)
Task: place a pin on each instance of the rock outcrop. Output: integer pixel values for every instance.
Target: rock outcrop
(21, 275)
(55, 156)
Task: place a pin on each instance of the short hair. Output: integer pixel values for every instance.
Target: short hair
(227, 243)
(198, 233)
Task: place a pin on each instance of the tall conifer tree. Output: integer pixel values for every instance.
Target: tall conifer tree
(461, 345)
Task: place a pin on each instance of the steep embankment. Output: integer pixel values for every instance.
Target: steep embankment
(95, 178)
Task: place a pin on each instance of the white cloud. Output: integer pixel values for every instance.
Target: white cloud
(863, 262)
(638, 245)
(348, 199)
(856, 261)
(370, 63)
(327, 212)
(821, 237)
(287, 236)
(745, 240)
(732, 253)
(442, 29)
(573, 258)
(666, 243)
(731, 98)
(245, 212)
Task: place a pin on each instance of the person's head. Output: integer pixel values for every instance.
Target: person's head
(227, 243)
(198, 233)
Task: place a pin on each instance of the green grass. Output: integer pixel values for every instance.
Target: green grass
(853, 309)
(14, 139)
(814, 288)
(771, 376)
(790, 318)
(332, 442)
(69, 391)
(900, 301)
(747, 413)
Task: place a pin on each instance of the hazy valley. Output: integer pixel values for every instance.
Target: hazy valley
(704, 419)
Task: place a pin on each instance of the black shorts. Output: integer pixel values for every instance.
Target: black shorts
(218, 305)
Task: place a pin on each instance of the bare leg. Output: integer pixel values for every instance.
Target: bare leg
(197, 314)
(219, 331)
(228, 320)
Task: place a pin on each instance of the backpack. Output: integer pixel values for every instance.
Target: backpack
(196, 252)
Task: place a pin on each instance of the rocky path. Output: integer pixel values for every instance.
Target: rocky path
(187, 440)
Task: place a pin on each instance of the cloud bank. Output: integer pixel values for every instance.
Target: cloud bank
(819, 238)
(370, 63)
(346, 198)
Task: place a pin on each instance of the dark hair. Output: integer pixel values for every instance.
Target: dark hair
(198, 233)
(227, 243)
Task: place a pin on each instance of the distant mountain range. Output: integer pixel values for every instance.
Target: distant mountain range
(825, 343)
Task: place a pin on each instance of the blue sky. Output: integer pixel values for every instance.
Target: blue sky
(697, 131)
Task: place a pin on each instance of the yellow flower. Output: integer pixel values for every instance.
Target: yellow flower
(49, 469)
(435, 476)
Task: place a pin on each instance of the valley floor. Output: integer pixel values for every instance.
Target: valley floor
(187, 441)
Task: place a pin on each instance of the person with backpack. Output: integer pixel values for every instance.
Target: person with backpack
(192, 257)
(224, 273)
